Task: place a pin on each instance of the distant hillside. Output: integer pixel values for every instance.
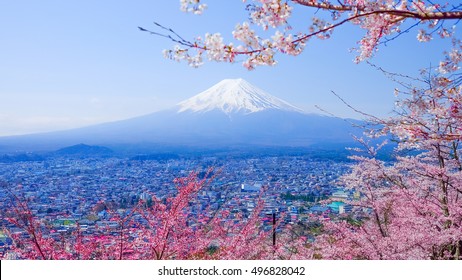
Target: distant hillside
(83, 150)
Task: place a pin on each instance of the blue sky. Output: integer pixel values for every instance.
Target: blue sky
(66, 64)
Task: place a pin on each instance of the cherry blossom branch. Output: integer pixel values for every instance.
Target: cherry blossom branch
(380, 19)
(419, 14)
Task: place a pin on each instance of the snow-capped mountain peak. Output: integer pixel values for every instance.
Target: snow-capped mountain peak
(234, 96)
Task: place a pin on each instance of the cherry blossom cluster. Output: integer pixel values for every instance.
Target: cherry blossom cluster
(271, 13)
(430, 115)
(453, 58)
(192, 6)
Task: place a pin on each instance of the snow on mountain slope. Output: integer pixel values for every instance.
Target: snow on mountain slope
(234, 96)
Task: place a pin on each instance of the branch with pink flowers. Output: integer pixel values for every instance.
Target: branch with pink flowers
(380, 19)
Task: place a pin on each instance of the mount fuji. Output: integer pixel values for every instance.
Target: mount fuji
(230, 113)
(235, 96)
